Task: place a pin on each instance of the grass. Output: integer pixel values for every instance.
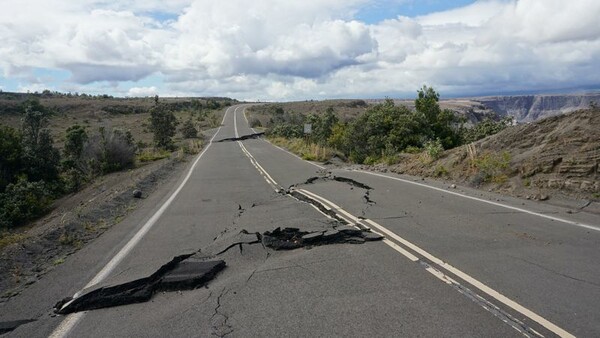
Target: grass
(493, 166)
(441, 171)
(308, 151)
(68, 239)
(191, 146)
(7, 238)
(152, 154)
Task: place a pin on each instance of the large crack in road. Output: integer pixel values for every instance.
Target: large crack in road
(191, 271)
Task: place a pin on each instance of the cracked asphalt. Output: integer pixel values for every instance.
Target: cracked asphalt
(548, 267)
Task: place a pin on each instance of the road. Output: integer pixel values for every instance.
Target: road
(454, 261)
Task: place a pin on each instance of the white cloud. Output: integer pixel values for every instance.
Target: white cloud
(299, 49)
(142, 91)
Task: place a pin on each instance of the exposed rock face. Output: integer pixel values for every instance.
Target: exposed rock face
(524, 108)
(534, 107)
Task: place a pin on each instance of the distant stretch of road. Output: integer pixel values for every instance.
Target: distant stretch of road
(453, 261)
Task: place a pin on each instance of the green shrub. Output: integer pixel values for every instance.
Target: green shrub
(412, 150)
(484, 129)
(108, 151)
(23, 201)
(492, 166)
(440, 171)
(188, 130)
(163, 125)
(255, 123)
(286, 130)
(434, 149)
(10, 155)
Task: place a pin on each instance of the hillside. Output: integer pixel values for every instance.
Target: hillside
(93, 112)
(555, 155)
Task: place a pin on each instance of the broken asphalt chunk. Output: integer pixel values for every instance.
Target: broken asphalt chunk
(242, 138)
(178, 274)
(293, 238)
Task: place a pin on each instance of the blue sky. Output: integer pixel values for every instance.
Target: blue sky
(300, 49)
(390, 9)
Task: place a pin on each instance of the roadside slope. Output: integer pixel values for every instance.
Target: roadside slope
(556, 155)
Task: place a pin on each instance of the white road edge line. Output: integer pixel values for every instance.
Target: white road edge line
(479, 285)
(284, 150)
(71, 320)
(558, 219)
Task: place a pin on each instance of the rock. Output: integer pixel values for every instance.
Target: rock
(453, 186)
(137, 193)
(544, 197)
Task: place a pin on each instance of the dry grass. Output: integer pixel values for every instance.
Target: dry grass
(308, 151)
(7, 238)
(152, 154)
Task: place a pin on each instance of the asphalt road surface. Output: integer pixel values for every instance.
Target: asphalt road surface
(454, 262)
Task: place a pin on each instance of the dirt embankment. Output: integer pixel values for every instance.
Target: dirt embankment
(555, 156)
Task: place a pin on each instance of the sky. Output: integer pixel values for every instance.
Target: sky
(288, 50)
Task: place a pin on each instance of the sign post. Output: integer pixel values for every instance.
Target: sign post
(307, 131)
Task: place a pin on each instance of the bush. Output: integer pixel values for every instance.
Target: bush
(484, 129)
(40, 158)
(163, 124)
(23, 201)
(107, 151)
(492, 166)
(10, 155)
(434, 149)
(188, 130)
(286, 130)
(255, 123)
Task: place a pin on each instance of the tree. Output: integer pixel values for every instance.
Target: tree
(10, 155)
(23, 201)
(438, 123)
(74, 143)
(325, 125)
(188, 130)
(426, 104)
(163, 125)
(40, 158)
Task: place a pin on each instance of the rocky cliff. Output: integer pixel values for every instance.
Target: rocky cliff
(529, 108)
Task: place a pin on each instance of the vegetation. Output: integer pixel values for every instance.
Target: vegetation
(306, 150)
(34, 171)
(163, 125)
(485, 128)
(379, 134)
(188, 130)
(492, 167)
